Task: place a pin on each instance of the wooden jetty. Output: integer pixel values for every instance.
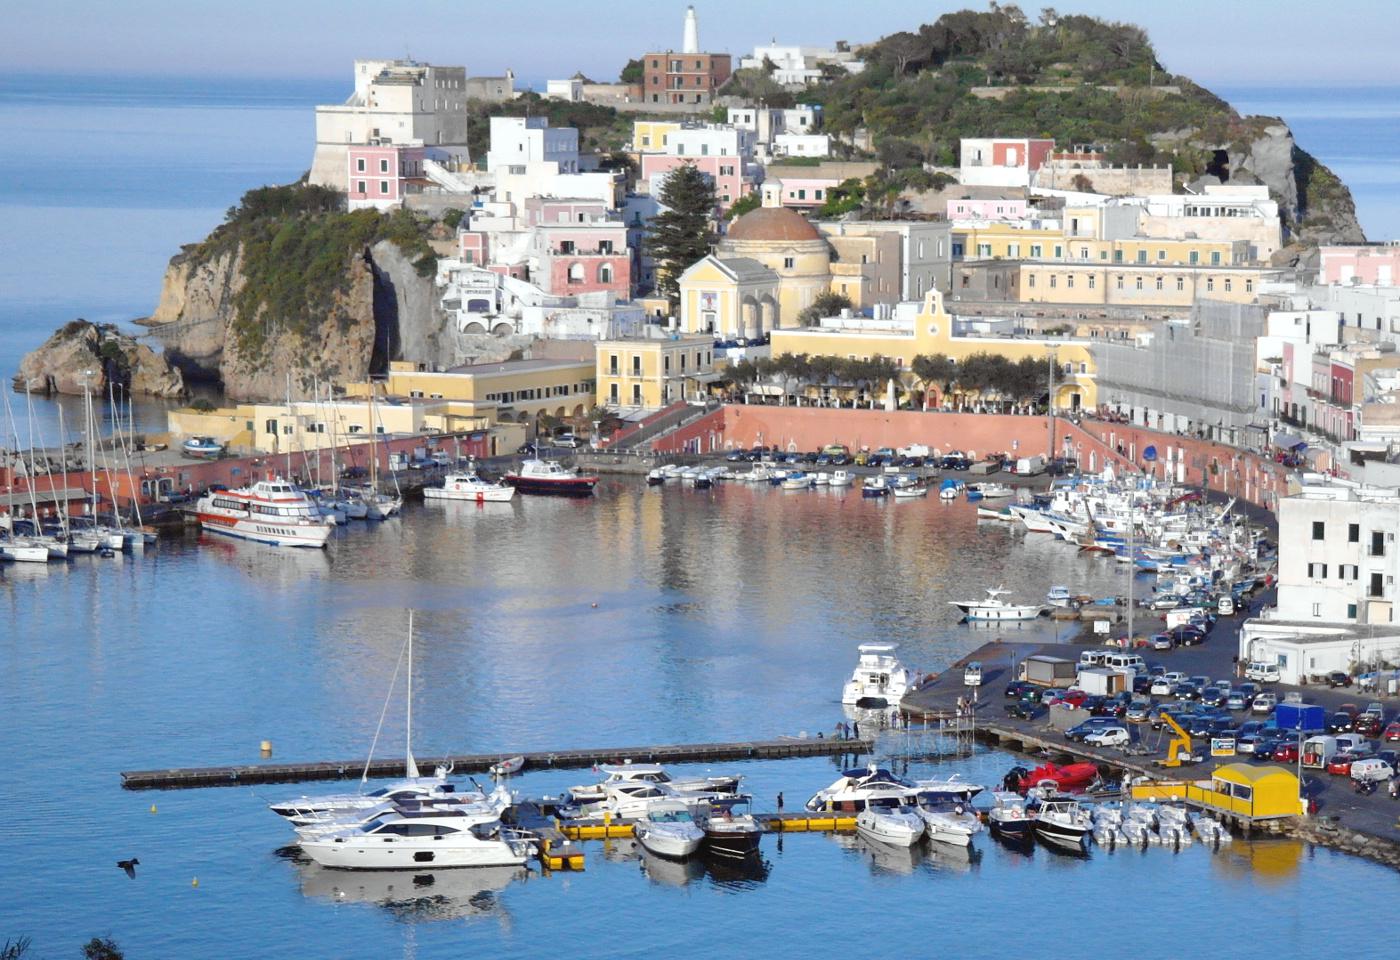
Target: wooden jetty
(233, 776)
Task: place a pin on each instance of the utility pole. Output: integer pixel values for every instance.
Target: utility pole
(1050, 404)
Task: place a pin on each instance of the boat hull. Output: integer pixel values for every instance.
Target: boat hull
(494, 494)
(1017, 829)
(673, 845)
(575, 487)
(313, 536)
(414, 853)
(735, 844)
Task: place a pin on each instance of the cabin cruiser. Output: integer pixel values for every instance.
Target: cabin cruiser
(731, 832)
(653, 773)
(853, 791)
(907, 487)
(469, 486)
(875, 487)
(270, 511)
(316, 826)
(889, 818)
(879, 679)
(841, 478)
(995, 491)
(550, 477)
(633, 799)
(416, 839)
(995, 608)
(1008, 818)
(310, 809)
(949, 822)
(669, 830)
(1059, 818)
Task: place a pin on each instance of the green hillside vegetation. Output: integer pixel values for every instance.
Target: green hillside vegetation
(917, 87)
(297, 242)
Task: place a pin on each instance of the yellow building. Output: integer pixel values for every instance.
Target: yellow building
(729, 299)
(1004, 241)
(652, 372)
(1128, 284)
(1080, 243)
(783, 241)
(512, 390)
(652, 136)
(928, 329)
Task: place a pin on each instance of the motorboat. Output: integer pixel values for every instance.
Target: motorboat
(907, 487)
(1059, 818)
(879, 679)
(417, 839)
(351, 504)
(821, 479)
(304, 809)
(1008, 818)
(995, 491)
(1072, 776)
(469, 486)
(876, 486)
(1209, 830)
(653, 773)
(551, 477)
(202, 448)
(508, 767)
(949, 822)
(633, 799)
(991, 513)
(853, 791)
(890, 819)
(270, 511)
(730, 831)
(324, 824)
(949, 489)
(797, 480)
(995, 608)
(656, 477)
(669, 830)
(841, 478)
(1059, 596)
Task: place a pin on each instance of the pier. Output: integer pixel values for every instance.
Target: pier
(243, 775)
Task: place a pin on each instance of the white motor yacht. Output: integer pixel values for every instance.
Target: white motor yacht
(856, 788)
(412, 840)
(316, 826)
(889, 819)
(1059, 818)
(653, 773)
(305, 810)
(669, 830)
(879, 679)
(995, 608)
(470, 487)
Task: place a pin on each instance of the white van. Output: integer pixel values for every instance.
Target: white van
(1319, 751)
(1371, 770)
(1262, 672)
(1225, 606)
(1126, 663)
(1092, 658)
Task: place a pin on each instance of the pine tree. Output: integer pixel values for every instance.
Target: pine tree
(681, 234)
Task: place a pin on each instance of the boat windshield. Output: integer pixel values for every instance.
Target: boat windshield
(670, 816)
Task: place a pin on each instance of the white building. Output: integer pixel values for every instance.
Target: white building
(394, 102)
(802, 145)
(1285, 350)
(800, 66)
(518, 140)
(1001, 161)
(712, 140)
(570, 90)
(480, 301)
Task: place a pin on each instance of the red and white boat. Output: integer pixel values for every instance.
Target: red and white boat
(1070, 777)
(548, 476)
(270, 511)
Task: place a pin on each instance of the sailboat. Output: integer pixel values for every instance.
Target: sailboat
(380, 506)
(26, 547)
(321, 809)
(137, 537)
(109, 537)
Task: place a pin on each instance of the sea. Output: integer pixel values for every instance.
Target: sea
(637, 616)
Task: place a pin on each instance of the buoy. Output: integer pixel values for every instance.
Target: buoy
(194, 882)
(153, 808)
(595, 604)
(265, 748)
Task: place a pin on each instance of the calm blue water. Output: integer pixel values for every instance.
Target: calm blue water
(730, 615)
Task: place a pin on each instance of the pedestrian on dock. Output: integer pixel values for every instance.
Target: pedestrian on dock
(780, 801)
(855, 729)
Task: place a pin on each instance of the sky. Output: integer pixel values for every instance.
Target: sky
(1221, 42)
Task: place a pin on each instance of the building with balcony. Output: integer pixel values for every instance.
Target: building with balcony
(382, 175)
(686, 78)
(652, 371)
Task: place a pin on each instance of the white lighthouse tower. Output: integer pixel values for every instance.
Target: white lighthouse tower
(690, 42)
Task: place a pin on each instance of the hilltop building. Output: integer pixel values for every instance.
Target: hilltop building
(685, 78)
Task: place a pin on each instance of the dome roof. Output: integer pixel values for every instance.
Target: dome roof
(777, 224)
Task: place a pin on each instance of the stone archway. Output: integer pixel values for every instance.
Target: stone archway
(749, 319)
(768, 310)
(502, 330)
(474, 328)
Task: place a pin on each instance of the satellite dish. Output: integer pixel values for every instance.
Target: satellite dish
(1149, 453)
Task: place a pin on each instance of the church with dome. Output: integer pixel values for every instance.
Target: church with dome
(769, 267)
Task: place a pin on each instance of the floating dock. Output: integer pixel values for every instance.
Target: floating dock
(603, 828)
(234, 776)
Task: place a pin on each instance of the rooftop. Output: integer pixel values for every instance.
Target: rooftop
(512, 366)
(772, 224)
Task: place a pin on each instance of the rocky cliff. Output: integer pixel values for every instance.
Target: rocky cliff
(97, 355)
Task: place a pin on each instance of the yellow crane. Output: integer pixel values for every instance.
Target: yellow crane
(1181, 742)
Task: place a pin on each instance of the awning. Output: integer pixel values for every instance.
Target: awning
(1287, 441)
(706, 377)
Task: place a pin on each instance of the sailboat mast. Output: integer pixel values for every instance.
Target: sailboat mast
(410, 765)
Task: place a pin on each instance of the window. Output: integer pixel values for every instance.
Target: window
(612, 364)
(1142, 256)
(1227, 284)
(1159, 283)
(636, 394)
(1117, 256)
(1377, 587)
(1353, 533)
(1180, 284)
(1069, 281)
(789, 263)
(1035, 251)
(1249, 286)
(1215, 258)
(1030, 282)
(1138, 283)
(1195, 258)
(360, 187)
(1317, 609)
(636, 365)
(612, 392)
(383, 186)
(1319, 530)
(1348, 571)
(1317, 571)
(1053, 279)
(666, 364)
(1059, 251)
(360, 165)
(1092, 280)
(1377, 543)
(383, 165)
(1210, 284)
(1351, 611)
(1120, 281)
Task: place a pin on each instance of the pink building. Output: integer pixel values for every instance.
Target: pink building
(584, 258)
(550, 210)
(1001, 208)
(726, 172)
(1379, 265)
(381, 175)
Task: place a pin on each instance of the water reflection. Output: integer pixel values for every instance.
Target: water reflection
(884, 857)
(671, 873)
(414, 896)
(951, 858)
(737, 873)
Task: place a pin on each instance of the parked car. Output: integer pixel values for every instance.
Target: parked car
(1372, 770)
(1368, 725)
(1340, 764)
(1264, 703)
(1109, 737)
(1338, 679)
(1186, 690)
(1162, 641)
(1070, 698)
(1236, 701)
(567, 440)
(1187, 635)
(1339, 722)
(1138, 711)
(1080, 732)
(1266, 748)
(1026, 709)
(736, 456)
(1392, 732)
(1287, 752)
(1019, 688)
(1161, 687)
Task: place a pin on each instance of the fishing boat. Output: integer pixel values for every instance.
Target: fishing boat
(875, 487)
(841, 478)
(891, 819)
(550, 477)
(470, 487)
(879, 679)
(508, 767)
(995, 608)
(270, 511)
(907, 487)
(202, 448)
(669, 830)
(1008, 818)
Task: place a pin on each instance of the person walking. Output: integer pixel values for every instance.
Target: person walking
(780, 801)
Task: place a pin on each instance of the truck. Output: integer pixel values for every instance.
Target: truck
(1103, 681)
(1045, 671)
(1030, 466)
(1300, 716)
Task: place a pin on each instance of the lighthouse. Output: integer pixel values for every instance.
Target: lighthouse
(690, 42)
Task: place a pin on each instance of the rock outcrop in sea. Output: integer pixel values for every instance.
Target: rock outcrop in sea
(97, 354)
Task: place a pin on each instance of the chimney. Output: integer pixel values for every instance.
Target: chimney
(691, 41)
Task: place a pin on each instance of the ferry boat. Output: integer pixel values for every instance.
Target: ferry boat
(550, 477)
(469, 486)
(270, 511)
